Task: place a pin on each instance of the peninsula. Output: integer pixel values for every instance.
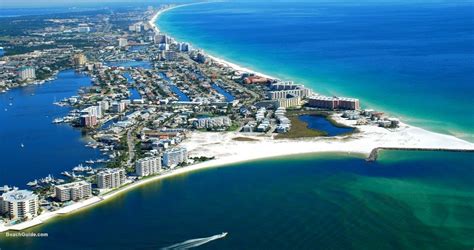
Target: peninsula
(158, 108)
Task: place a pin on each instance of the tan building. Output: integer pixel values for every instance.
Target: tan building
(294, 101)
(111, 178)
(26, 73)
(327, 102)
(79, 60)
(73, 191)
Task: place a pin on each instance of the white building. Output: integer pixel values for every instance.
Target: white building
(103, 106)
(19, 204)
(93, 111)
(122, 42)
(111, 178)
(26, 73)
(174, 156)
(73, 191)
(137, 27)
(148, 166)
(83, 28)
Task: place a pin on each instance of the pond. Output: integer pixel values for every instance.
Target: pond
(321, 123)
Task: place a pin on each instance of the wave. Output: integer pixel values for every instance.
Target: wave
(195, 242)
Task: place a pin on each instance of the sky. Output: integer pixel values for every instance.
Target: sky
(59, 3)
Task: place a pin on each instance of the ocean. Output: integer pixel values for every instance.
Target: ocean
(407, 200)
(412, 60)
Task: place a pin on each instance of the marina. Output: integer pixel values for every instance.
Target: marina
(142, 119)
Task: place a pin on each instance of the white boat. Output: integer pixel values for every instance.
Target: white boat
(58, 120)
(66, 173)
(59, 181)
(222, 235)
(32, 183)
(22, 145)
(81, 168)
(90, 162)
(47, 179)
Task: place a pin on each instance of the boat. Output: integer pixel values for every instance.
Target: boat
(66, 173)
(81, 168)
(90, 162)
(22, 145)
(47, 179)
(58, 120)
(59, 181)
(32, 183)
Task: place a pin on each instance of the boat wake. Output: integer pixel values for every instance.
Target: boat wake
(195, 242)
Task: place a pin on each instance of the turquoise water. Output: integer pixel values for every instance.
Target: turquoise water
(408, 200)
(414, 60)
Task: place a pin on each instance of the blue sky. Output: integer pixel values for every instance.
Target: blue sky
(59, 3)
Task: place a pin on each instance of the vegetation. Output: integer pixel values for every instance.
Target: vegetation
(299, 129)
(241, 138)
(202, 158)
(233, 127)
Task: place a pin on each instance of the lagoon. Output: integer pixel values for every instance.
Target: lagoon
(321, 123)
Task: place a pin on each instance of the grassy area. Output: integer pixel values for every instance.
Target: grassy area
(299, 129)
(234, 127)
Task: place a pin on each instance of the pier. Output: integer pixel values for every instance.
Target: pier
(375, 152)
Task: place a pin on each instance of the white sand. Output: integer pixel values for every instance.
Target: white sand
(217, 60)
(370, 137)
(228, 151)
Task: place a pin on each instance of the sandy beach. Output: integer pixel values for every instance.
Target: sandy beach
(218, 60)
(227, 150)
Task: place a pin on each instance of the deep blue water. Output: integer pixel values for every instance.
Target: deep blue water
(408, 200)
(48, 148)
(320, 123)
(228, 96)
(414, 60)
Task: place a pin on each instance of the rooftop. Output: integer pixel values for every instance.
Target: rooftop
(18, 195)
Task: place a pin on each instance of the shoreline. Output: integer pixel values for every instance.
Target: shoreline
(463, 135)
(216, 59)
(229, 151)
